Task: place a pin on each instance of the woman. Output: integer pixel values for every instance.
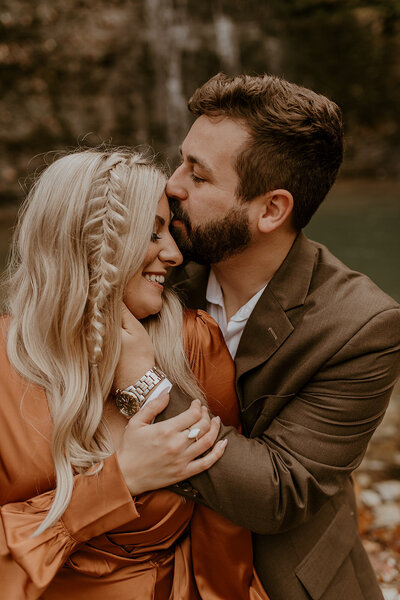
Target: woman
(78, 517)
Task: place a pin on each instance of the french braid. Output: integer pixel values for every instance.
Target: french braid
(103, 229)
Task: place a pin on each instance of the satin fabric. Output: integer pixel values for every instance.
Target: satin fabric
(107, 545)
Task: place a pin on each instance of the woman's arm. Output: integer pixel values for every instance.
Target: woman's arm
(153, 456)
(99, 503)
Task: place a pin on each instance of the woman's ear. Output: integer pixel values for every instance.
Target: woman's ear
(276, 208)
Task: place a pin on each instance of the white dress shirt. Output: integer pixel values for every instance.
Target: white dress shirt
(231, 330)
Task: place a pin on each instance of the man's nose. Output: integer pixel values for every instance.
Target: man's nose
(175, 185)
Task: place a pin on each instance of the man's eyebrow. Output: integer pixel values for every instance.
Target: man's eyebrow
(197, 161)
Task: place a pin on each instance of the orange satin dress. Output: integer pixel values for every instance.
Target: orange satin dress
(108, 545)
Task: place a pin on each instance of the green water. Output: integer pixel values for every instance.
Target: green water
(359, 221)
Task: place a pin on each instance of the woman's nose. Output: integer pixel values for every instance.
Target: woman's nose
(170, 253)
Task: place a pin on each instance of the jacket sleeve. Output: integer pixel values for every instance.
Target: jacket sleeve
(304, 456)
(100, 502)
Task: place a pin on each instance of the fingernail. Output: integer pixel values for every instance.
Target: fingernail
(196, 402)
(224, 442)
(217, 420)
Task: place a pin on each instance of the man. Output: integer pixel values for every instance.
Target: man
(316, 345)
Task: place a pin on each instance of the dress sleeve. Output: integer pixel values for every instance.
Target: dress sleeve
(222, 552)
(212, 365)
(99, 503)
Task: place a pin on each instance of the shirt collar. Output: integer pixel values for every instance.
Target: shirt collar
(214, 296)
(214, 292)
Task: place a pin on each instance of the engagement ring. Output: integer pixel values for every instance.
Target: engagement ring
(193, 433)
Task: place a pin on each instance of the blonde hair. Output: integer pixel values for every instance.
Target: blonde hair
(84, 229)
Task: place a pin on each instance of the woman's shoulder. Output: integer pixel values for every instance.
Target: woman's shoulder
(211, 364)
(204, 344)
(201, 330)
(200, 321)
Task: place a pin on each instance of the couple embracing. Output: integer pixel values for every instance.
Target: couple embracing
(184, 455)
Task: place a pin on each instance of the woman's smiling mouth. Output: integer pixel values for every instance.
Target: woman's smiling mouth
(157, 279)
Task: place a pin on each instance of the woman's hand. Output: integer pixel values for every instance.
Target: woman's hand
(137, 352)
(156, 455)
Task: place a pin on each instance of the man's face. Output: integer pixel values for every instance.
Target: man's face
(210, 224)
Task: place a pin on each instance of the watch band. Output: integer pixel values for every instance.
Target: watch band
(132, 398)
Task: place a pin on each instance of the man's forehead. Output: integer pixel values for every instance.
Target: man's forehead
(212, 139)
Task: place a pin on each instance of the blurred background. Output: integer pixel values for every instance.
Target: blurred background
(83, 71)
(80, 72)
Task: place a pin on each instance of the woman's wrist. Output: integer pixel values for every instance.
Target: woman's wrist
(128, 372)
(132, 398)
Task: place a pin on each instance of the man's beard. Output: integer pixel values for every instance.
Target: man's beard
(215, 241)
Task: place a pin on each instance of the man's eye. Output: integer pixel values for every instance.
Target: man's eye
(197, 179)
(155, 237)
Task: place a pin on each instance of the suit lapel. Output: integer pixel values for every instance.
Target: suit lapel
(267, 328)
(269, 324)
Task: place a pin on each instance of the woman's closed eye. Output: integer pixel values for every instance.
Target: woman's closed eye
(155, 237)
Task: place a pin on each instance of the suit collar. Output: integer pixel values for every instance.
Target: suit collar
(291, 282)
(267, 328)
(269, 325)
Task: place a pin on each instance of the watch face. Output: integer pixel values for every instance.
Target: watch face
(132, 398)
(127, 404)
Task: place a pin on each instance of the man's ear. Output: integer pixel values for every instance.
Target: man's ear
(276, 208)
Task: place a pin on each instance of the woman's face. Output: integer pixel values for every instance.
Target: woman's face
(143, 293)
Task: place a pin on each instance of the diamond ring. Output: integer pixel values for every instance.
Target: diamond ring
(193, 433)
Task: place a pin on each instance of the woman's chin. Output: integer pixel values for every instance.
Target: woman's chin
(142, 310)
(149, 311)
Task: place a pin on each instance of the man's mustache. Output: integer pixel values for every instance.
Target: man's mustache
(178, 211)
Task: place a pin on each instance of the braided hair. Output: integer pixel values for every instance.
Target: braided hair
(84, 229)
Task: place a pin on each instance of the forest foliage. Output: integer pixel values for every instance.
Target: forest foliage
(86, 71)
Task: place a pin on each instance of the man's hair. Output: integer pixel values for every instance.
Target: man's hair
(296, 137)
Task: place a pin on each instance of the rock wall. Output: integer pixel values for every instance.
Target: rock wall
(86, 71)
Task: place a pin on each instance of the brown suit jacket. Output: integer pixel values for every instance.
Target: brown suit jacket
(315, 368)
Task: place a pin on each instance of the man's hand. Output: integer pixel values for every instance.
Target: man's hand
(156, 455)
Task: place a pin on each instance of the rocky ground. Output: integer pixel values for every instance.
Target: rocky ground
(378, 488)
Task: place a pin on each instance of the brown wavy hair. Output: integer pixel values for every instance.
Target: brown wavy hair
(296, 137)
